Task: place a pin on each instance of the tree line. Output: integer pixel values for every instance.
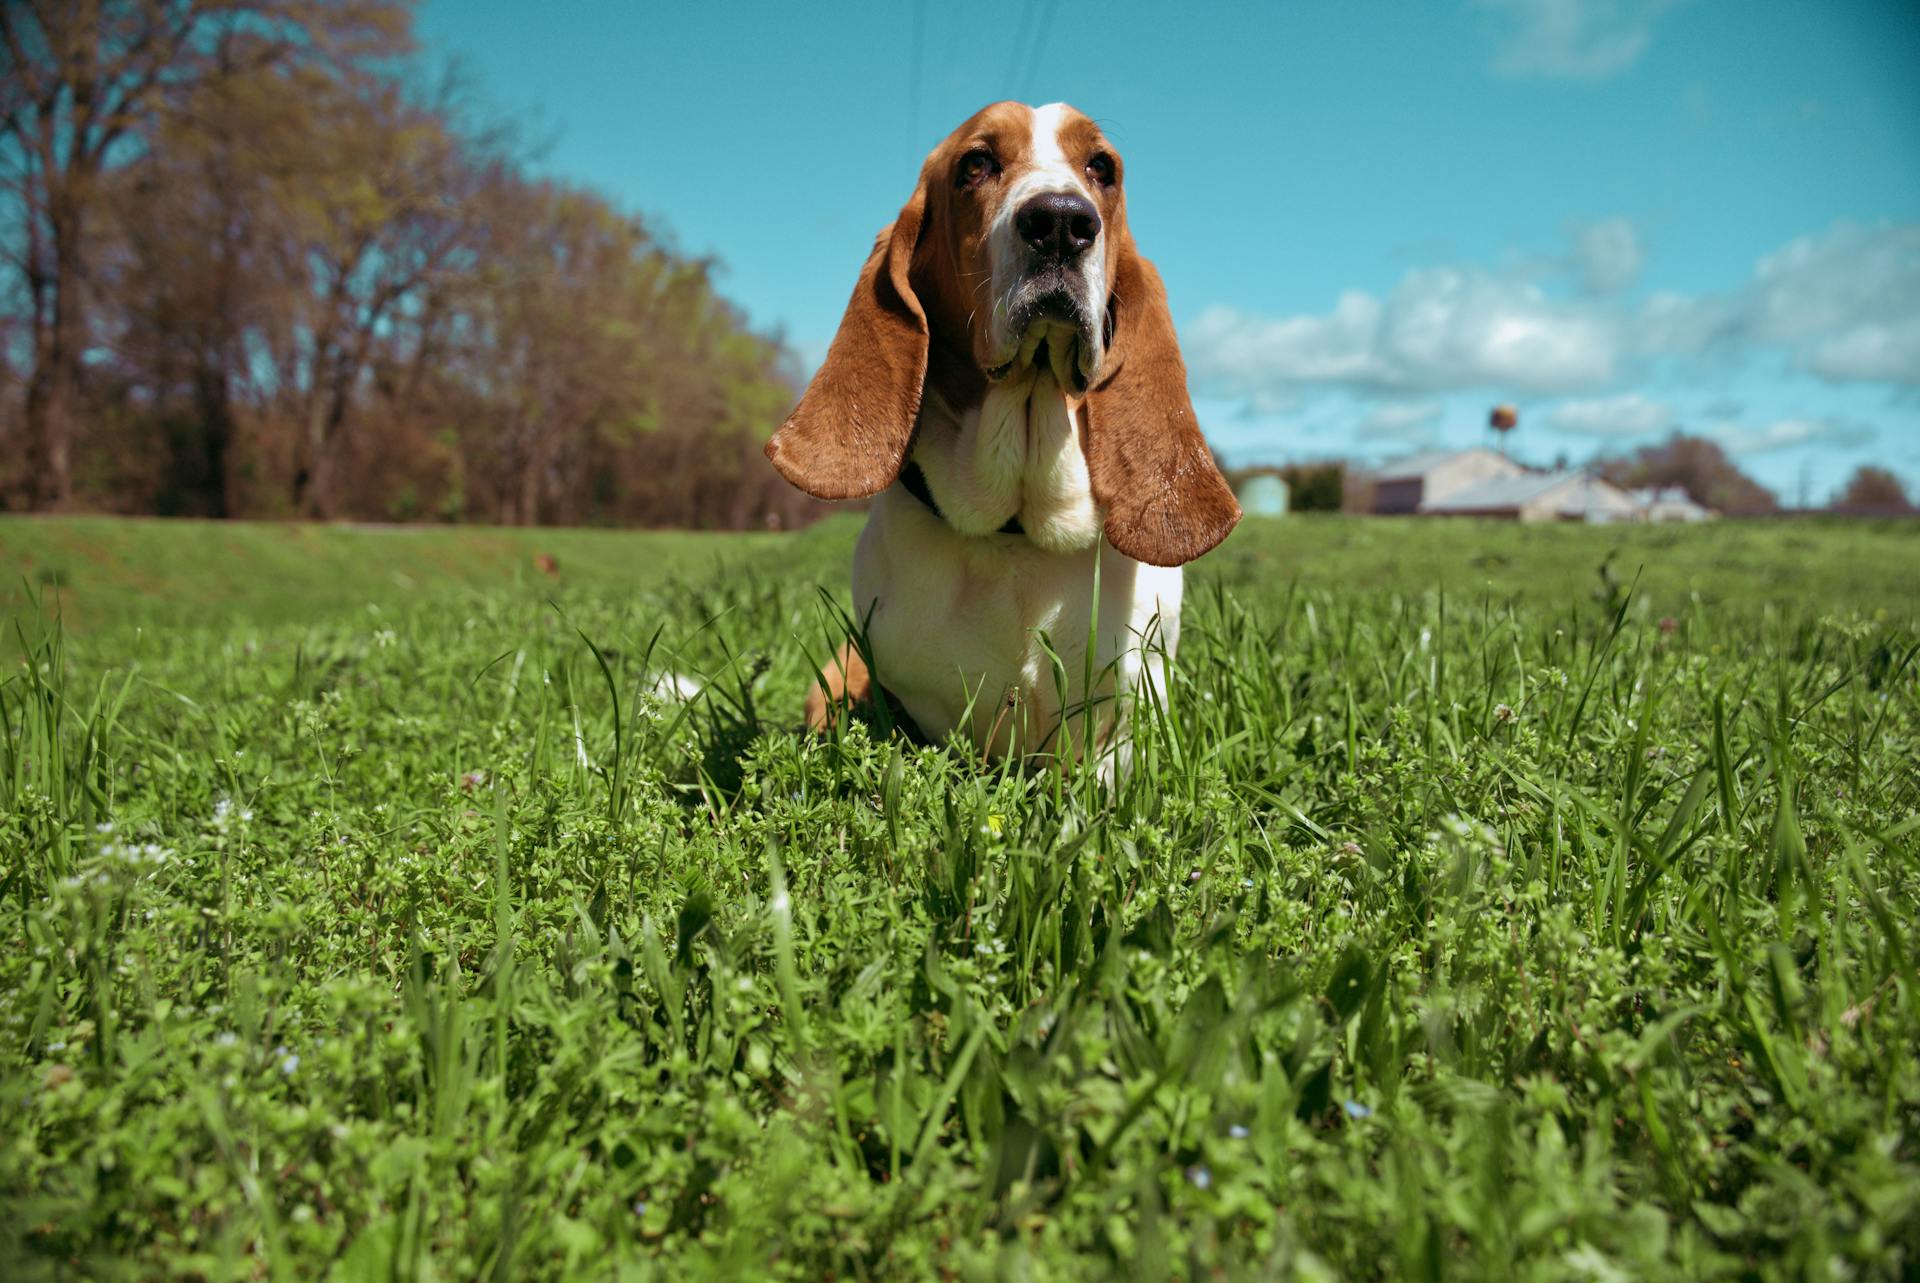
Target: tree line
(257, 263)
(1703, 469)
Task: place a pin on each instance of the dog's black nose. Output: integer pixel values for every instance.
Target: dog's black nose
(1058, 226)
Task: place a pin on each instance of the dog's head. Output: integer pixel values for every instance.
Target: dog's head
(1014, 250)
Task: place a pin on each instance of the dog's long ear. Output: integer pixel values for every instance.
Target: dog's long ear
(1166, 502)
(848, 436)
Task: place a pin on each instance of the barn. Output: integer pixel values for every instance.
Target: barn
(1408, 485)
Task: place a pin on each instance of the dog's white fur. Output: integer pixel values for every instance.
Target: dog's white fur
(1015, 455)
(960, 626)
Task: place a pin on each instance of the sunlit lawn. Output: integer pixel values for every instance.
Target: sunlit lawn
(1487, 902)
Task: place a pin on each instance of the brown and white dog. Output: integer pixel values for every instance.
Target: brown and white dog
(1007, 382)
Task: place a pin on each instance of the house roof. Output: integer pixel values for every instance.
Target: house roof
(1499, 494)
(1419, 465)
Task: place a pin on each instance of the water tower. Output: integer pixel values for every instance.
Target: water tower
(1504, 419)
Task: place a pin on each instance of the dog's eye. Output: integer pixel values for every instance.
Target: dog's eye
(1100, 168)
(976, 166)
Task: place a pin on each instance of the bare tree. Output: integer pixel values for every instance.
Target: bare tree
(1872, 490)
(82, 84)
(374, 230)
(1697, 465)
(282, 279)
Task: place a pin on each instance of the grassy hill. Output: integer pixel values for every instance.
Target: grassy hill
(109, 571)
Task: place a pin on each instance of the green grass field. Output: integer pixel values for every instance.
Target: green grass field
(1486, 902)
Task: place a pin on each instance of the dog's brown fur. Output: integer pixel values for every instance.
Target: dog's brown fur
(849, 686)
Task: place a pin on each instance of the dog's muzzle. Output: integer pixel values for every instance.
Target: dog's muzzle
(1056, 327)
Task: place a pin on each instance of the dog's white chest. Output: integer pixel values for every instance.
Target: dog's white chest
(1017, 454)
(961, 627)
(986, 632)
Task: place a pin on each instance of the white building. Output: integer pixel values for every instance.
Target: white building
(1670, 503)
(1538, 496)
(1264, 494)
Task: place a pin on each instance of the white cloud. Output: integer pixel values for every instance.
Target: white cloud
(1607, 256)
(1869, 353)
(1248, 354)
(1669, 323)
(1572, 39)
(1459, 327)
(1845, 276)
(1266, 405)
(1787, 434)
(1442, 327)
(1843, 305)
(1408, 421)
(1631, 415)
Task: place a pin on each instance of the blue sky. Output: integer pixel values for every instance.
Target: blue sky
(1374, 220)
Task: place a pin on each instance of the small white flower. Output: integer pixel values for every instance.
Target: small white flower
(671, 686)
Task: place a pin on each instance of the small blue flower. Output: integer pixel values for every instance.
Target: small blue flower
(1356, 1110)
(1238, 1132)
(1201, 1177)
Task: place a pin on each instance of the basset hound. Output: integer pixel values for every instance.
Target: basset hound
(1007, 385)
